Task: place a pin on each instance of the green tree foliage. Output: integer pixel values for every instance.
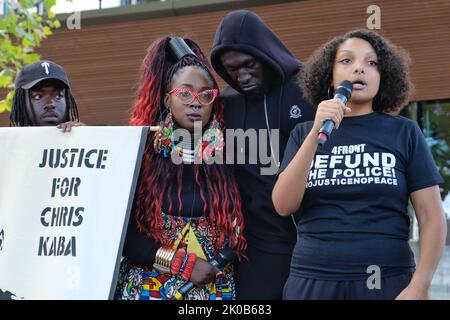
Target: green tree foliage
(437, 133)
(22, 30)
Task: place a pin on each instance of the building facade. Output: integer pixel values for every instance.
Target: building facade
(101, 50)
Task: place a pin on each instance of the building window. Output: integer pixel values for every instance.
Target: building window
(433, 118)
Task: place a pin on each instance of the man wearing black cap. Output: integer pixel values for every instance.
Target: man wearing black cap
(42, 98)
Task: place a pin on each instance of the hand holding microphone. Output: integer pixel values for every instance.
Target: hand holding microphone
(224, 257)
(327, 109)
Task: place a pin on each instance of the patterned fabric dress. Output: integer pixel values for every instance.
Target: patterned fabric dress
(143, 283)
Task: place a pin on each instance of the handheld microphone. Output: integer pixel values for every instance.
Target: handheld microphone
(343, 93)
(224, 257)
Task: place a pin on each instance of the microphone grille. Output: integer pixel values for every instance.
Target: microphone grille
(345, 88)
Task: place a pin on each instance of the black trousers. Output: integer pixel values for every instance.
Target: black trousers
(298, 288)
(263, 276)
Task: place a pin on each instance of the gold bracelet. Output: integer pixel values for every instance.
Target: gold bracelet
(158, 256)
(164, 258)
(168, 257)
(160, 261)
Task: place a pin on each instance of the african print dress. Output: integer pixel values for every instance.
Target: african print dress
(144, 283)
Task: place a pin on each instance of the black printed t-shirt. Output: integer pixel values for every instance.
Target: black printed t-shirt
(354, 210)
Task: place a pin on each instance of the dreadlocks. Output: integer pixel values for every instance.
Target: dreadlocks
(19, 116)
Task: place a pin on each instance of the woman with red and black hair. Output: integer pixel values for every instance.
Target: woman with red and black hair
(187, 209)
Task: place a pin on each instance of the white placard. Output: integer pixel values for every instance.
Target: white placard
(65, 200)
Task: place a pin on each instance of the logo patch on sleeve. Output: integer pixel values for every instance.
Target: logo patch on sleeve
(295, 112)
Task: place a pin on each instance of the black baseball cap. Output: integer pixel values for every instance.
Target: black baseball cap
(35, 72)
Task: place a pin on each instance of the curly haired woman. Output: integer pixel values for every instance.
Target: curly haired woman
(353, 191)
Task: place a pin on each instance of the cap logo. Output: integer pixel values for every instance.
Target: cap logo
(45, 65)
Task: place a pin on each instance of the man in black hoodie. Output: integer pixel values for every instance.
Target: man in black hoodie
(263, 94)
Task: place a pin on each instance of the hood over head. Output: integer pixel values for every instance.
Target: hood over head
(245, 31)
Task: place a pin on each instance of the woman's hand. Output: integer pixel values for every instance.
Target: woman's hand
(67, 126)
(413, 293)
(203, 273)
(332, 109)
(433, 230)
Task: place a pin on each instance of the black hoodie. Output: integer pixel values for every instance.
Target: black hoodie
(246, 32)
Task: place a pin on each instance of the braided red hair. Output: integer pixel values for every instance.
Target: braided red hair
(218, 188)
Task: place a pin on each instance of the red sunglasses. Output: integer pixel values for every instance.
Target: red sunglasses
(204, 97)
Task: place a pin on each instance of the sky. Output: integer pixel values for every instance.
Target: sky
(63, 6)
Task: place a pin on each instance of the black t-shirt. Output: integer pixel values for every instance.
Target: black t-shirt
(354, 210)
